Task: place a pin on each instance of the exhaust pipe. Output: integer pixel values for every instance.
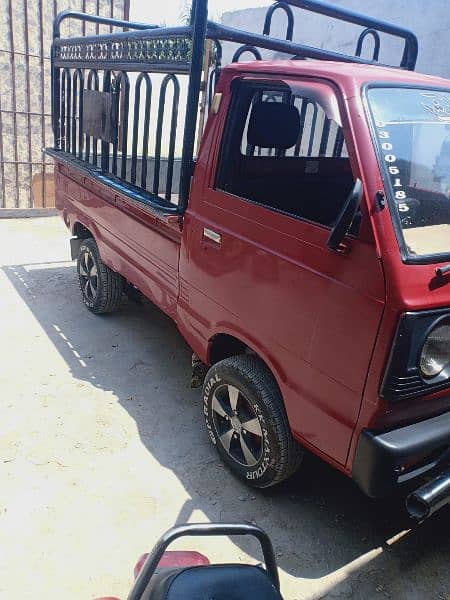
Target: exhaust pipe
(429, 498)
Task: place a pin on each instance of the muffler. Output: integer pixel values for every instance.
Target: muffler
(429, 498)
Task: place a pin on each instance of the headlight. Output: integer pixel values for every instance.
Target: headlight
(435, 355)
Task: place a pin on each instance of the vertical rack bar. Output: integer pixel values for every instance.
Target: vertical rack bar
(121, 95)
(198, 23)
(83, 8)
(77, 112)
(68, 110)
(338, 143)
(62, 112)
(97, 11)
(325, 136)
(204, 91)
(134, 145)
(95, 140)
(158, 135)
(123, 126)
(298, 145)
(134, 141)
(312, 132)
(75, 80)
(116, 90)
(286, 98)
(111, 14)
(148, 101)
(92, 77)
(126, 12)
(172, 136)
(105, 145)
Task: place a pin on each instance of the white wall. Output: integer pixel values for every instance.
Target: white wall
(429, 20)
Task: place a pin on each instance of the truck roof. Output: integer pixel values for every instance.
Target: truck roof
(348, 75)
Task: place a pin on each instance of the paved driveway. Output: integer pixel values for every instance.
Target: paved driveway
(102, 448)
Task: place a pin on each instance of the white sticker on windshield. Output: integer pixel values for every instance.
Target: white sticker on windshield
(387, 148)
(437, 105)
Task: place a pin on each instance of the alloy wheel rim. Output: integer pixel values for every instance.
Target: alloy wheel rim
(237, 425)
(88, 276)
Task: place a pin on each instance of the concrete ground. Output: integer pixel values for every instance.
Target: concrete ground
(102, 448)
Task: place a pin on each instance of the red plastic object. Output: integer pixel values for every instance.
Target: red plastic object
(176, 558)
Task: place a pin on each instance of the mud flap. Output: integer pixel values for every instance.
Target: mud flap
(75, 244)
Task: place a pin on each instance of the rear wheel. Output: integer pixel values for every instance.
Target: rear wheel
(247, 422)
(101, 287)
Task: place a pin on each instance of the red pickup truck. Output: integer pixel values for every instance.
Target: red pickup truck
(317, 309)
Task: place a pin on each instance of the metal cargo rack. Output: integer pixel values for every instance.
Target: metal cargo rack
(91, 89)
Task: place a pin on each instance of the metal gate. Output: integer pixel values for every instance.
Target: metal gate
(26, 174)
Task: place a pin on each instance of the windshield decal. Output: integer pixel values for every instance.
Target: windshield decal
(438, 106)
(387, 148)
(412, 131)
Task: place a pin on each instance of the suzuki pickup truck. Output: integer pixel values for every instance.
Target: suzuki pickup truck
(291, 216)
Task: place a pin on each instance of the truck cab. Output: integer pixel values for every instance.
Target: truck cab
(304, 253)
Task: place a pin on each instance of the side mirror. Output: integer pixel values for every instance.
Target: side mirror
(346, 216)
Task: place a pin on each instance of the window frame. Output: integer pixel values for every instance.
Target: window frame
(228, 138)
(406, 257)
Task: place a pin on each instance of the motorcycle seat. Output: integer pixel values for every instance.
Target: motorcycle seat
(217, 582)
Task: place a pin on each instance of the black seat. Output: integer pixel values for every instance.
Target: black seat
(273, 125)
(218, 582)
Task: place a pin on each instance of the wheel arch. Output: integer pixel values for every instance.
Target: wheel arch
(81, 231)
(281, 454)
(225, 344)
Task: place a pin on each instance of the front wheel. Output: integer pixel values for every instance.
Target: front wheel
(247, 422)
(101, 287)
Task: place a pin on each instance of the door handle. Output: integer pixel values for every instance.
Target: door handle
(212, 235)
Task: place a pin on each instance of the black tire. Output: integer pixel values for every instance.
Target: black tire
(275, 453)
(101, 287)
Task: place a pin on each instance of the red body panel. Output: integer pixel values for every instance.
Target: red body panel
(133, 240)
(324, 322)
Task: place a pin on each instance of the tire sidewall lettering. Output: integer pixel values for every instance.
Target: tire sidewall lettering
(209, 387)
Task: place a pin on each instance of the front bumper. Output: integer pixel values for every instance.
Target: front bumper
(386, 460)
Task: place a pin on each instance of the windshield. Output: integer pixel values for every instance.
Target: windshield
(413, 138)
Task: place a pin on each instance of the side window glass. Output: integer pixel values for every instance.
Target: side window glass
(319, 136)
(286, 151)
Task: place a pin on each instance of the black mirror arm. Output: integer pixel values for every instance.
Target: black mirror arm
(345, 217)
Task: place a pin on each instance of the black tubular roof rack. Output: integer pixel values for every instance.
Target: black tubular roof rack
(169, 48)
(180, 50)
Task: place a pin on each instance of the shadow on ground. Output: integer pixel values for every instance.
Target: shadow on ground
(326, 523)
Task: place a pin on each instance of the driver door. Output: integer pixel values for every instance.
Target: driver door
(258, 264)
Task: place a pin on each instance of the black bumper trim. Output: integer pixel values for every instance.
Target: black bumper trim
(379, 456)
